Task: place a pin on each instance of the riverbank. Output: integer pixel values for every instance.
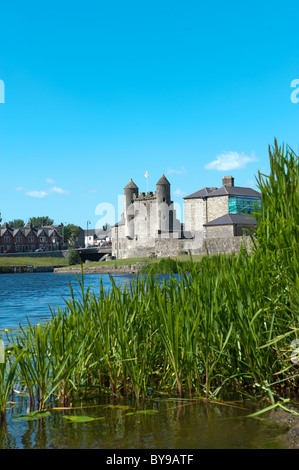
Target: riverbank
(30, 264)
(132, 265)
(110, 269)
(27, 269)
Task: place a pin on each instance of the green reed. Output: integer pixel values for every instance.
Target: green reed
(224, 324)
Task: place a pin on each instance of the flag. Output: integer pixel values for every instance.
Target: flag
(146, 174)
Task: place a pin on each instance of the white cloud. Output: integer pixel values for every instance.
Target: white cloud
(180, 171)
(230, 161)
(37, 194)
(92, 191)
(57, 190)
(179, 193)
(20, 188)
(49, 180)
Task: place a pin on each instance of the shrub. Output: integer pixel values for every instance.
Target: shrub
(73, 257)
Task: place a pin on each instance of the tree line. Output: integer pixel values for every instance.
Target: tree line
(70, 231)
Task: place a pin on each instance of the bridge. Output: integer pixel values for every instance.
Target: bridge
(94, 253)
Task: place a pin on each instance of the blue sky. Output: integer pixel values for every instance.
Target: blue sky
(98, 92)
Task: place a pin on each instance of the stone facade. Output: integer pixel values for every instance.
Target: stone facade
(216, 207)
(195, 214)
(149, 226)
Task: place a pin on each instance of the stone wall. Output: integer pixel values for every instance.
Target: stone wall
(220, 231)
(42, 254)
(226, 245)
(163, 247)
(194, 214)
(217, 206)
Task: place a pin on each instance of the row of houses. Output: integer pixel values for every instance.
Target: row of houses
(28, 239)
(48, 238)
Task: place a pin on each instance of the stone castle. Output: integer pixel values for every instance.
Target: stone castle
(216, 219)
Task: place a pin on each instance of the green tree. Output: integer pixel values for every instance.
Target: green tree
(41, 221)
(70, 232)
(16, 223)
(73, 257)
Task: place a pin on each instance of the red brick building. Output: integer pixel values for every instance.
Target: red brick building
(28, 239)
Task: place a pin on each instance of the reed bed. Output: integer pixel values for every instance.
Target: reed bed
(225, 324)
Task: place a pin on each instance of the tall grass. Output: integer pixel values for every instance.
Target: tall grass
(224, 324)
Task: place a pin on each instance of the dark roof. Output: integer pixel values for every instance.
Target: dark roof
(163, 180)
(131, 185)
(201, 193)
(232, 219)
(235, 191)
(26, 230)
(97, 233)
(224, 191)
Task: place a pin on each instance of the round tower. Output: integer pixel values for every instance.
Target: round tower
(130, 193)
(163, 190)
(163, 200)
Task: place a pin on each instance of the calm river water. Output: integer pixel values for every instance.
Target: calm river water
(31, 295)
(167, 424)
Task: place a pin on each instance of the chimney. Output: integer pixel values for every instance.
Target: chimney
(227, 181)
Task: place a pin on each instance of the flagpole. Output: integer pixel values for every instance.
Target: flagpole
(146, 175)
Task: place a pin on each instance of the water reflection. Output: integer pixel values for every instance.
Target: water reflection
(177, 424)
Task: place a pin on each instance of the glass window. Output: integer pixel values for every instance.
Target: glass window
(243, 205)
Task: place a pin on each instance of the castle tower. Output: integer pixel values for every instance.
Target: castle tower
(165, 211)
(130, 193)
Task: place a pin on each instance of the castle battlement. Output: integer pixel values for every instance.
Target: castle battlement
(216, 219)
(145, 196)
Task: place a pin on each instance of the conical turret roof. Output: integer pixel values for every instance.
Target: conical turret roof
(163, 180)
(131, 185)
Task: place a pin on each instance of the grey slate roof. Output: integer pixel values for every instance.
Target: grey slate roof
(163, 180)
(97, 233)
(232, 219)
(224, 191)
(235, 191)
(48, 231)
(201, 193)
(131, 185)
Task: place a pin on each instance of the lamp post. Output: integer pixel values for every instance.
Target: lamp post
(88, 222)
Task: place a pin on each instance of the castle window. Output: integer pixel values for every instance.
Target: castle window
(243, 205)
